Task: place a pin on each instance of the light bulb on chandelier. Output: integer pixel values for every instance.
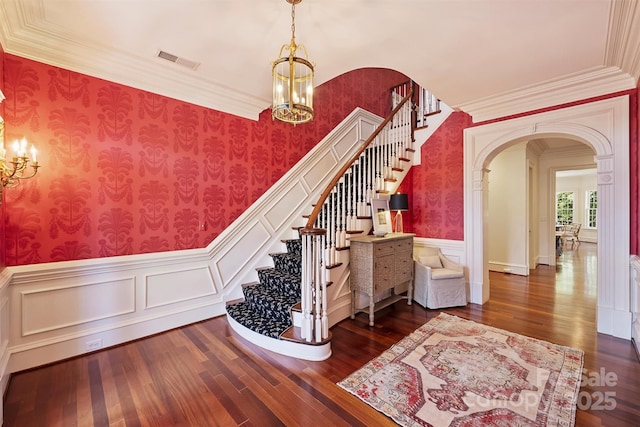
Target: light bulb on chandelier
(17, 165)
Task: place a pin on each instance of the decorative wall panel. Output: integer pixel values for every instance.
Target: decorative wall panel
(347, 142)
(315, 176)
(283, 208)
(84, 304)
(234, 259)
(177, 286)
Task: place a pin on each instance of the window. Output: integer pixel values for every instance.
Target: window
(564, 207)
(591, 206)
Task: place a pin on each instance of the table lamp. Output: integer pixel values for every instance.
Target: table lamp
(398, 202)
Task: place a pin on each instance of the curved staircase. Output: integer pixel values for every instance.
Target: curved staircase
(269, 307)
(285, 310)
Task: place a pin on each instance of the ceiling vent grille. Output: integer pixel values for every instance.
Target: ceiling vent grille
(177, 60)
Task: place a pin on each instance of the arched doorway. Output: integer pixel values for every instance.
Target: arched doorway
(602, 125)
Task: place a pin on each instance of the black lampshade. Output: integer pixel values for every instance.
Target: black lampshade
(399, 202)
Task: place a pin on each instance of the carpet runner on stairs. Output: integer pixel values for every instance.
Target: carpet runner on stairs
(266, 308)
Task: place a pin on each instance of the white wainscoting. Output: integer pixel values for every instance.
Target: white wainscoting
(60, 310)
(5, 278)
(53, 311)
(452, 249)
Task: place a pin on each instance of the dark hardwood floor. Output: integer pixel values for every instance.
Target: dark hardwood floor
(205, 375)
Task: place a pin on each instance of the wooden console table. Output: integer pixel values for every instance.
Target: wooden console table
(378, 264)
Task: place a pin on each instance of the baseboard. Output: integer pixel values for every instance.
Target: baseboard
(614, 322)
(45, 351)
(521, 270)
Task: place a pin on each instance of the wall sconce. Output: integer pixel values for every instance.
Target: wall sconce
(400, 203)
(12, 170)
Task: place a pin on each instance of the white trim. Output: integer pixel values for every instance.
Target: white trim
(287, 348)
(510, 268)
(634, 265)
(453, 249)
(582, 85)
(602, 125)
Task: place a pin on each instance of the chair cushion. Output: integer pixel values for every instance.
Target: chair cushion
(432, 261)
(445, 273)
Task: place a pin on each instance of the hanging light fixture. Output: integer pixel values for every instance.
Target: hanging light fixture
(292, 81)
(13, 168)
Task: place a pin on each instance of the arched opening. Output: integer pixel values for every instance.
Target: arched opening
(603, 126)
(521, 209)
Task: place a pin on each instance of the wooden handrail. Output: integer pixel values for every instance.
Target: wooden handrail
(309, 228)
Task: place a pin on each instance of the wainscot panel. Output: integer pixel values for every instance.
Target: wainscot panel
(56, 307)
(177, 286)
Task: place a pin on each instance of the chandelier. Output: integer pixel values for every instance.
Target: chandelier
(292, 81)
(16, 167)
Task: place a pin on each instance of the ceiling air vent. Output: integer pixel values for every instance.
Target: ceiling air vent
(177, 60)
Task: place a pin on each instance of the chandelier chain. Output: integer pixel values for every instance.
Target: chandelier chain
(293, 20)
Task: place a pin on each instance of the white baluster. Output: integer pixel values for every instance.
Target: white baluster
(318, 297)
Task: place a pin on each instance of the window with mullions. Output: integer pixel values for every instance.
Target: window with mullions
(564, 207)
(591, 207)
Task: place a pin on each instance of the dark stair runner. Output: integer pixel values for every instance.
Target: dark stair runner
(266, 308)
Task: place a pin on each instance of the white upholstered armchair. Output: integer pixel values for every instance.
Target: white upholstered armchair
(439, 282)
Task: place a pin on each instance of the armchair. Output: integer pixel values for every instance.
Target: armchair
(438, 282)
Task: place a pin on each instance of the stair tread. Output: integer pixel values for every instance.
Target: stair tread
(280, 273)
(293, 334)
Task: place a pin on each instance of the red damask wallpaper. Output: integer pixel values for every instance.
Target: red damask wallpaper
(126, 172)
(436, 187)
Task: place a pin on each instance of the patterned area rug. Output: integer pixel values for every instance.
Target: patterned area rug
(455, 372)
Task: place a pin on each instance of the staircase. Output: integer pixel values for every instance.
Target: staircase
(286, 308)
(268, 303)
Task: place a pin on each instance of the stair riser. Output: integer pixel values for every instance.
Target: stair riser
(277, 314)
(270, 278)
(275, 307)
(294, 246)
(289, 263)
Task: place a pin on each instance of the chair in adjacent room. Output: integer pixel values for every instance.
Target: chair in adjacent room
(571, 232)
(439, 282)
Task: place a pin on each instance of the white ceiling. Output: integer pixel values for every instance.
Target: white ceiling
(485, 57)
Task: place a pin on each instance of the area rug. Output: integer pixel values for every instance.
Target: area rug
(455, 372)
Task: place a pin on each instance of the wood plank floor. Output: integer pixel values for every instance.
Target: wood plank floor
(205, 375)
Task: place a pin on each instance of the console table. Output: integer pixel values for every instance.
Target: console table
(378, 264)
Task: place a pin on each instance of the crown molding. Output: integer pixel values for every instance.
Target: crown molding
(621, 64)
(23, 28)
(623, 38)
(597, 81)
